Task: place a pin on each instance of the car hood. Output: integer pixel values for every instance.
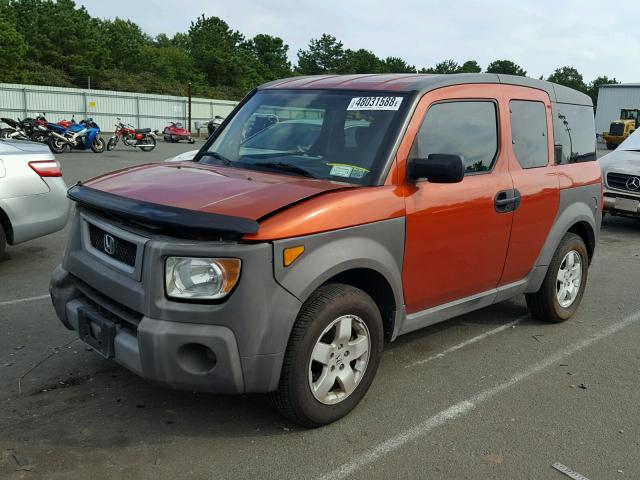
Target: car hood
(212, 189)
(623, 161)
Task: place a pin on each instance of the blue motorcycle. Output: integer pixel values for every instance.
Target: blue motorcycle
(83, 135)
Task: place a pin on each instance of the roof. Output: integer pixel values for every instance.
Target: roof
(621, 85)
(422, 83)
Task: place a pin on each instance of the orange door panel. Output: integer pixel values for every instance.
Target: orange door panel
(539, 191)
(456, 241)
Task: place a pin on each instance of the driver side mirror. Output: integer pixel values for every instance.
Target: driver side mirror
(436, 168)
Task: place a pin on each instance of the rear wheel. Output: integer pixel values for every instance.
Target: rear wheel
(98, 145)
(333, 354)
(150, 144)
(57, 145)
(563, 286)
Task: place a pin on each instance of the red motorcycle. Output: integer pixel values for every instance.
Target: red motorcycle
(141, 138)
(175, 132)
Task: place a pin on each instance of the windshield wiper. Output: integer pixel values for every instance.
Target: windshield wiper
(217, 156)
(285, 167)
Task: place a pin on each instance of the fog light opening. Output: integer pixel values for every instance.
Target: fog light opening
(196, 358)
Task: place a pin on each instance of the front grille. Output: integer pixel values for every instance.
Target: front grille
(617, 129)
(108, 307)
(113, 246)
(622, 181)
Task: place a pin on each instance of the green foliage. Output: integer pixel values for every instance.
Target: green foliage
(324, 55)
(446, 66)
(56, 42)
(569, 77)
(506, 67)
(594, 87)
(470, 66)
(397, 65)
(12, 58)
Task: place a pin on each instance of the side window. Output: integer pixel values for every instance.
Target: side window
(529, 133)
(467, 128)
(575, 131)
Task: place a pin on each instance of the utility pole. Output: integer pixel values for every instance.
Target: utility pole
(189, 95)
(89, 82)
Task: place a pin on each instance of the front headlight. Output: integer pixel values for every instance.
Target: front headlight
(200, 278)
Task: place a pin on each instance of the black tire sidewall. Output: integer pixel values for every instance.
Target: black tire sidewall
(3, 242)
(570, 242)
(354, 302)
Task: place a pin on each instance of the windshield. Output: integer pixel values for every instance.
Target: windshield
(332, 135)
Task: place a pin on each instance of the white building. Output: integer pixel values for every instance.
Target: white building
(613, 98)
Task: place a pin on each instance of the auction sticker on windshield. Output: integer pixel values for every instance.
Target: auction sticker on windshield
(375, 103)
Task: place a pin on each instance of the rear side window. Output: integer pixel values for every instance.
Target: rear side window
(468, 128)
(573, 130)
(529, 133)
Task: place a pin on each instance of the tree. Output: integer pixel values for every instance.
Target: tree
(271, 52)
(446, 66)
(569, 77)
(470, 66)
(12, 58)
(506, 67)
(397, 65)
(594, 87)
(360, 61)
(125, 42)
(223, 55)
(324, 55)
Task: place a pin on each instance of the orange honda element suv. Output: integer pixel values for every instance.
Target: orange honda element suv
(326, 216)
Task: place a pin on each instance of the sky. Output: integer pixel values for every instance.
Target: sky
(539, 35)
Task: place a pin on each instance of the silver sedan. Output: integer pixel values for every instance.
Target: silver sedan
(33, 195)
(621, 176)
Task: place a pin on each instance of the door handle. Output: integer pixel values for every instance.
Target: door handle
(507, 201)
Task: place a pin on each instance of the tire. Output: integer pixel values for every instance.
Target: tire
(98, 145)
(545, 303)
(57, 146)
(3, 242)
(191, 141)
(611, 146)
(152, 144)
(111, 144)
(331, 305)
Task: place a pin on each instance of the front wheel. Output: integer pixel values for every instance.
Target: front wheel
(332, 357)
(611, 146)
(98, 145)
(111, 144)
(564, 284)
(150, 144)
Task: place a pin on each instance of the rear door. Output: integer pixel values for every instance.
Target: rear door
(535, 177)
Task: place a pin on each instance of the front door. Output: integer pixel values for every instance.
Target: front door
(457, 235)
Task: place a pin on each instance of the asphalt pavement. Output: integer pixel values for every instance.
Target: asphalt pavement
(492, 394)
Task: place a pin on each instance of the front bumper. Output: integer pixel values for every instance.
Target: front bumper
(230, 347)
(615, 139)
(621, 203)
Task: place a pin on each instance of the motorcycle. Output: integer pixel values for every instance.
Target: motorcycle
(78, 136)
(33, 129)
(141, 138)
(175, 132)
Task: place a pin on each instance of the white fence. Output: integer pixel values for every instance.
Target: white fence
(140, 109)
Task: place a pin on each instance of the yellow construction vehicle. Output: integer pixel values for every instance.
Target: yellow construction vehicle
(619, 130)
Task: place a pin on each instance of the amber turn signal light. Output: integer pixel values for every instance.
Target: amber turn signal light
(291, 254)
